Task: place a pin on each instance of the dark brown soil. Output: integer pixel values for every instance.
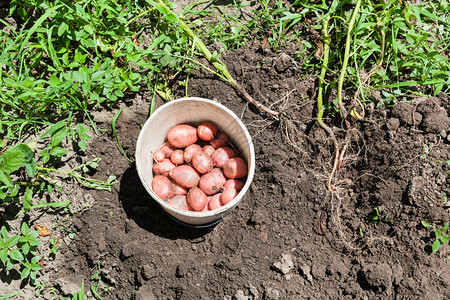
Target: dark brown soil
(289, 238)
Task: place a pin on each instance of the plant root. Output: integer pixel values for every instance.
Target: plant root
(243, 93)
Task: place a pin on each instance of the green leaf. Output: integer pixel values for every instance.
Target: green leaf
(59, 152)
(444, 239)
(27, 199)
(58, 137)
(34, 241)
(4, 233)
(35, 233)
(12, 160)
(426, 224)
(9, 264)
(437, 232)
(89, 29)
(134, 76)
(25, 248)
(16, 254)
(25, 273)
(6, 179)
(89, 43)
(36, 267)
(4, 255)
(62, 28)
(25, 229)
(12, 241)
(35, 260)
(83, 145)
(28, 162)
(55, 127)
(436, 246)
(54, 80)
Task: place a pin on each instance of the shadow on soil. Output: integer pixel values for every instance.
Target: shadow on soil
(140, 207)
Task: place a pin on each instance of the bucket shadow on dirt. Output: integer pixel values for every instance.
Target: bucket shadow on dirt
(140, 207)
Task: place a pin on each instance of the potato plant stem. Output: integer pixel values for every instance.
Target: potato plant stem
(326, 54)
(346, 58)
(221, 67)
(73, 174)
(320, 108)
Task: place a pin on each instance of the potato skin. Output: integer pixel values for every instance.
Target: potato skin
(214, 202)
(182, 135)
(222, 155)
(212, 182)
(206, 131)
(234, 184)
(227, 196)
(185, 175)
(202, 162)
(159, 155)
(221, 140)
(196, 199)
(163, 167)
(235, 167)
(178, 189)
(180, 202)
(177, 157)
(208, 149)
(190, 151)
(162, 187)
(167, 149)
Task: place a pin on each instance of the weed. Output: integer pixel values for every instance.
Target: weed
(21, 249)
(442, 235)
(376, 218)
(96, 279)
(53, 246)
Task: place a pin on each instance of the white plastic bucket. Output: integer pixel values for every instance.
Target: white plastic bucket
(191, 110)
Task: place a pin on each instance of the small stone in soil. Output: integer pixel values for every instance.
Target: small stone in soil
(285, 264)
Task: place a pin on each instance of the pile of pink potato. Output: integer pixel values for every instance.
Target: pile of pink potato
(197, 169)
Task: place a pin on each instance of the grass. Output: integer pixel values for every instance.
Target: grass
(67, 59)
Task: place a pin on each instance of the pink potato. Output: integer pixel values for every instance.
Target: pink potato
(222, 155)
(162, 187)
(212, 182)
(233, 184)
(182, 135)
(214, 202)
(208, 149)
(221, 140)
(202, 162)
(177, 157)
(178, 189)
(190, 151)
(206, 131)
(196, 199)
(185, 175)
(179, 201)
(235, 167)
(163, 167)
(159, 155)
(227, 196)
(167, 149)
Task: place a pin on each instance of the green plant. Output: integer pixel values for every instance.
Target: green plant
(38, 178)
(96, 279)
(442, 235)
(375, 217)
(53, 246)
(38, 289)
(20, 249)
